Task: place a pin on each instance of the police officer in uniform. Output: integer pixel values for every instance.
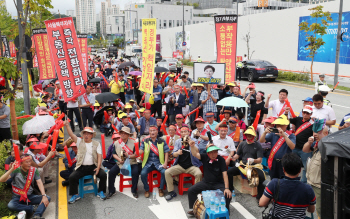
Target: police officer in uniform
(320, 82)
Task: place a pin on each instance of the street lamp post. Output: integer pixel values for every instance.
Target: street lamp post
(183, 27)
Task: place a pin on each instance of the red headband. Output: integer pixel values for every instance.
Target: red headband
(152, 127)
(26, 158)
(260, 94)
(184, 127)
(172, 126)
(222, 128)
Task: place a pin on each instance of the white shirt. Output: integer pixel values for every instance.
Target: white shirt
(325, 112)
(88, 159)
(71, 104)
(177, 97)
(276, 106)
(90, 97)
(245, 58)
(60, 95)
(226, 145)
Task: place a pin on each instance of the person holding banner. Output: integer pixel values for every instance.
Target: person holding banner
(23, 198)
(59, 96)
(155, 158)
(278, 106)
(123, 148)
(199, 135)
(86, 102)
(69, 169)
(282, 142)
(89, 160)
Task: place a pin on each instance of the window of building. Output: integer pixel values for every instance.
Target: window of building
(170, 26)
(193, 22)
(189, 22)
(173, 23)
(178, 23)
(191, 14)
(160, 24)
(117, 21)
(164, 24)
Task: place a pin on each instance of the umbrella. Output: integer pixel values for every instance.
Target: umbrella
(160, 69)
(336, 144)
(232, 102)
(50, 90)
(106, 97)
(95, 80)
(99, 114)
(135, 73)
(38, 124)
(125, 64)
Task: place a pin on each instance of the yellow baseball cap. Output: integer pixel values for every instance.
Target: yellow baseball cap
(128, 106)
(141, 110)
(282, 120)
(250, 131)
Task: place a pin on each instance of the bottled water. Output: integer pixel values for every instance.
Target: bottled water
(106, 170)
(233, 196)
(21, 215)
(212, 204)
(223, 204)
(217, 205)
(154, 194)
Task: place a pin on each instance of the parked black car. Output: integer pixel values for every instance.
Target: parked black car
(112, 52)
(158, 57)
(259, 69)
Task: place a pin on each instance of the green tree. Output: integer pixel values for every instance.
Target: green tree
(195, 5)
(6, 22)
(118, 41)
(315, 31)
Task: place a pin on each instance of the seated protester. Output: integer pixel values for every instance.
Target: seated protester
(199, 135)
(227, 114)
(240, 122)
(303, 126)
(313, 173)
(10, 160)
(144, 124)
(345, 122)
(89, 159)
(283, 142)
(126, 123)
(233, 131)
(106, 125)
(211, 124)
(109, 161)
(133, 105)
(159, 125)
(123, 148)
(155, 158)
(179, 119)
(215, 175)
(23, 179)
(43, 102)
(69, 169)
(128, 111)
(170, 141)
(294, 197)
(249, 152)
(260, 130)
(140, 112)
(43, 165)
(226, 144)
(185, 162)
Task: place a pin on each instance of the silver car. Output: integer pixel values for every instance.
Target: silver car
(168, 63)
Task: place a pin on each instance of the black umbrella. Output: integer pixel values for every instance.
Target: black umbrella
(50, 90)
(106, 97)
(125, 64)
(99, 114)
(160, 69)
(95, 80)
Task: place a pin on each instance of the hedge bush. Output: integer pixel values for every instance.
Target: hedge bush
(187, 62)
(291, 76)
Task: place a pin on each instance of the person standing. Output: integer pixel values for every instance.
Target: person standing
(115, 86)
(185, 84)
(89, 160)
(320, 82)
(321, 111)
(278, 106)
(176, 102)
(5, 131)
(59, 95)
(155, 158)
(122, 81)
(187, 76)
(185, 162)
(196, 94)
(209, 99)
(86, 104)
(72, 107)
(245, 58)
(178, 66)
(129, 92)
(199, 59)
(157, 94)
(257, 105)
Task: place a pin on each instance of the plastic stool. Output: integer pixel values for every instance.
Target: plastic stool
(209, 214)
(151, 178)
(82, 184)
(182, 182)
(123, 179)
(264, 163)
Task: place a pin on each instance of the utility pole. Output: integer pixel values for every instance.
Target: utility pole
(338, 43)
(24, 57)
(183, 27)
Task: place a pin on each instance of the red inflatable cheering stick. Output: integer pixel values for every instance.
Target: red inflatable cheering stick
(291, 110)
(256, 121)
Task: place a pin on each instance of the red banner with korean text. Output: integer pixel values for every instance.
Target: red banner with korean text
(226, 43)
(67, 57)
(148, 54)
(82, 39)
(43, 57)
(12, 49)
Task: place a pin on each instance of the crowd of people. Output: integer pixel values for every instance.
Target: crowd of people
(179, 129)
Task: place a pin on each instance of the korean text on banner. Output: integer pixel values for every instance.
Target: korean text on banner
(226, 43)
(43, 57)
(148, 54)
(6, 46)
(67, 57)
(82, 39)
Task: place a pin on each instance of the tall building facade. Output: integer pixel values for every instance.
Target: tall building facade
(86, 16)
(70, 13)
(107, 17)
(103, 15)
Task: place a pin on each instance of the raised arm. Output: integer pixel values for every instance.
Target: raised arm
(70, 132)
(194, 150)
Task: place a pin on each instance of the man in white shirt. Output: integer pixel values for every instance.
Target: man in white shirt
(89, 160)
(278, 106)
(225, 143)
(245, 58)
(73, 107)
(321, 111)
(85, 103)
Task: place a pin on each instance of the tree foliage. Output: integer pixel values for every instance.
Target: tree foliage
(315, 31)
(7, 24)
(118, 42)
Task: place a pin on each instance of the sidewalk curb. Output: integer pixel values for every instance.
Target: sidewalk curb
(312, 86)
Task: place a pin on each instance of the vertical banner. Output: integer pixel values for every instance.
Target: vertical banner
(67, 57)
(12, 49)
(6, 46)
(158, 43)
(226, 43)
(43, 57)
(82, 39)
(148, 54)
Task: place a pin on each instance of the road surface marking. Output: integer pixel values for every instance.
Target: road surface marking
(62, 190)
(242, 210)
(340, 106)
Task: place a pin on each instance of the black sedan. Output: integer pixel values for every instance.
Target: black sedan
(259, 70)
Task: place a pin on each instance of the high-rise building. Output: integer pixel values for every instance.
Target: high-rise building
(103, 15)
(86, 16)
(70, 13)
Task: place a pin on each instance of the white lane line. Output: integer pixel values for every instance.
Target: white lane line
(340, 106)
(242, 210)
